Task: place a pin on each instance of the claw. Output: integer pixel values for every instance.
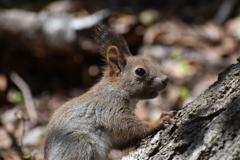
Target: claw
(166, 118)
(170, 113)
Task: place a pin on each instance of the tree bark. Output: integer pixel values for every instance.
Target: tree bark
(207, 128)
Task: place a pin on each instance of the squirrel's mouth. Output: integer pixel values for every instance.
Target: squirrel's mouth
(155, 92)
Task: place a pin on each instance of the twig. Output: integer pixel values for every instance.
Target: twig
(23, 133)
(224, 11)
(19, 82)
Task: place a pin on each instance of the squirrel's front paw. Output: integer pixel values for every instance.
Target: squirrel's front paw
(170, 114)
(166, 118)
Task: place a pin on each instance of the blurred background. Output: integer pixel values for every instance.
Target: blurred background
(48, 55)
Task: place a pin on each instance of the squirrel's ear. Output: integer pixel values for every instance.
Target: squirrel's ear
(115, 59)
(105, 38)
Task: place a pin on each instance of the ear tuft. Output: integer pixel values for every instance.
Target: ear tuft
(105, 37)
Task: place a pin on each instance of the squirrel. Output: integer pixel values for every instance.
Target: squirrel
(88, 126)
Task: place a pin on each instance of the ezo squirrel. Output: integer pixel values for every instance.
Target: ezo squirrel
(88, 126)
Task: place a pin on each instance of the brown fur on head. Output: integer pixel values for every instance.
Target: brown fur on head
(139, 77)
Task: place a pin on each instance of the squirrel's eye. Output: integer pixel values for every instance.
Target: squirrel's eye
(140, 72)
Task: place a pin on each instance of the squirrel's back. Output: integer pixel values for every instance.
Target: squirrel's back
(79, 126)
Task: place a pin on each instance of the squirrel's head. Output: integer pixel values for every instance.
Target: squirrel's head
(138, 77)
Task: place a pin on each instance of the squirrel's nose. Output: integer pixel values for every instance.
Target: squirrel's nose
(165, 80)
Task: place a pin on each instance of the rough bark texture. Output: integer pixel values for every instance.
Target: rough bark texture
(208, 128)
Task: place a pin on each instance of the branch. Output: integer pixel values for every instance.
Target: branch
(47, 32)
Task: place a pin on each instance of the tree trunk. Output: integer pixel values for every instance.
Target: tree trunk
(207, 128)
